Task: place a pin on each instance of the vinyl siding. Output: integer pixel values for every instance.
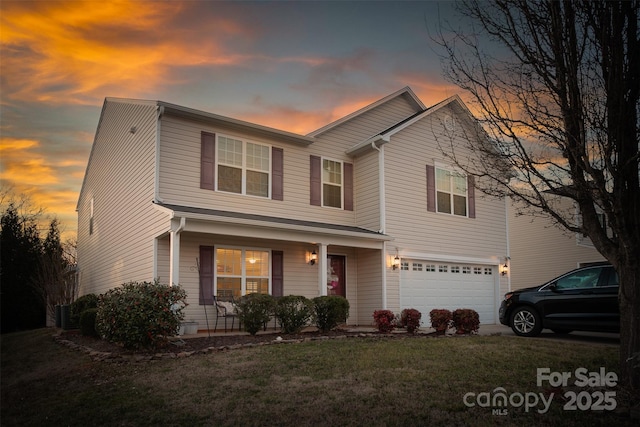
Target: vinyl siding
(369, 296)
(417, 230)
(541, 251)
(180, 177)
(120, 179)
(367, 194)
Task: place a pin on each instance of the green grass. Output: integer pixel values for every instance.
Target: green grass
(354, 381)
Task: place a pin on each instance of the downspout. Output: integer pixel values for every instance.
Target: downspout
(383, 216)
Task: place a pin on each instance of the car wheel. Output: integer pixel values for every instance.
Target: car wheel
(525, 322)
(562, 331)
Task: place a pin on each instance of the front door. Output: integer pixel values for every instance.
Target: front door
(336, 268)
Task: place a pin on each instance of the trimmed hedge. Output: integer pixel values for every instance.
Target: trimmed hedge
(254, 311)
(330, 311)
(293, 313)
(88, 322)
(140, 314)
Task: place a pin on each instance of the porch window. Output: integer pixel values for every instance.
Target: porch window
(243, 167)
(241, 271)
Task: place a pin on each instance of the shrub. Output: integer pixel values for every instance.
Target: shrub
(410, 319)
(330, 311)
(384, 320)
(83, 303)
(440, 320)
(465, 321)
(88, 322)
(140, 315)
(254, 310)
(293, 313)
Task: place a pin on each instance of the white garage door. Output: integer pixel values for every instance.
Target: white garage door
(426, 285)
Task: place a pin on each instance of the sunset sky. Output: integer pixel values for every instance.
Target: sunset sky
(295, 66)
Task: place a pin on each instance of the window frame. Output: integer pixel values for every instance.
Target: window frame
(243, 168)
(322, 182)
(452, 173)
(243, 267)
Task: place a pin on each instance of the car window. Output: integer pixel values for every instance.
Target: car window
(580, 279)
(612, 278)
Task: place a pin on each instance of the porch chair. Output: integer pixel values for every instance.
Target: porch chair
(225, 307)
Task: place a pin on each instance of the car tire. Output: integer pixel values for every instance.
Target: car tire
(525, 322)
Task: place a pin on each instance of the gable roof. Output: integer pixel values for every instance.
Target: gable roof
(384, 136)
(406, 92)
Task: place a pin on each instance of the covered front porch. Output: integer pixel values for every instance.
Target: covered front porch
(211, 253)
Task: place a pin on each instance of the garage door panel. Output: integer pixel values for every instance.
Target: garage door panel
(428, 285)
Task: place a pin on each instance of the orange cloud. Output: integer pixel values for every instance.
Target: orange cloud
(73, 52)
(20, 164)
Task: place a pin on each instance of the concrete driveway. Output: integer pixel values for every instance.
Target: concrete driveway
(577, 336)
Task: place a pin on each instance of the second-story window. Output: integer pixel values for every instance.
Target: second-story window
(243, 167)
(331, 183)
(451, 192)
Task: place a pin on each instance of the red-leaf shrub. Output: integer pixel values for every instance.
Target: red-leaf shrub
(440, 320)
(410, 319)
(384, 320)
(466, 321)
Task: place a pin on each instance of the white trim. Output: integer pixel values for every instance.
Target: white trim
(322, 182)
(494, 260)
(243, 268)
(405, 90)
(244, 168)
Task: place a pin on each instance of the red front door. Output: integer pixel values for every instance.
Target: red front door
(336, 284)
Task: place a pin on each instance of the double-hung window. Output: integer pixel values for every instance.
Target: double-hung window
(332, 183)
(241, 271)
(451, 192)
(243, 167)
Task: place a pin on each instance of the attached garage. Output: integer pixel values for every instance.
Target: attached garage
(425, 285)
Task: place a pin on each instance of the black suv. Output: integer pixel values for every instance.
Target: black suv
(585, 299)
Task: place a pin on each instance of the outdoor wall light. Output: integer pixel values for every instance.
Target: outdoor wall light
(396, 263)
(505, 266)
(313, 258)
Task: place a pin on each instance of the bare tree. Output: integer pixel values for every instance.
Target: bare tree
(558, 107)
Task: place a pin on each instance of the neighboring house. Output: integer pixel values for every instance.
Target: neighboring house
(540, 251)
(219, 205)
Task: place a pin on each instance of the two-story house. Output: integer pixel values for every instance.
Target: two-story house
(366, 207)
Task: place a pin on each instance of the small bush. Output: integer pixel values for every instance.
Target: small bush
(466, 321)
(254, 310)
(83, 303)
(88, 322)
(410, 319)
(440, 320)
(384, 320)
(330, 311)
(293, 313)
(140, 315)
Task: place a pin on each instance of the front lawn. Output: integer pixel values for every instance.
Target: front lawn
(349, 381)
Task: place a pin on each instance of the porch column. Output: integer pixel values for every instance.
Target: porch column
(174, 253)
(322, 265)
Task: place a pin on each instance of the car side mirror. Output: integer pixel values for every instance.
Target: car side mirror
(553, 287)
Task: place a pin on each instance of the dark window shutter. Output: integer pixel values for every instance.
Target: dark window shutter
(316, 181)
(431, 188)
(471, 190)
(207, 160)
(277, 174)
(348, 186)
(206, 275)
(277, 273)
